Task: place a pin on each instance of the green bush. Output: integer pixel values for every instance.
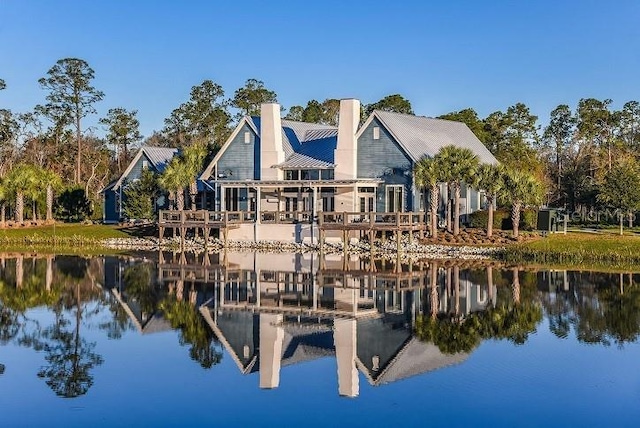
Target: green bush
(502, 219)
(478, 219)
(72, 205)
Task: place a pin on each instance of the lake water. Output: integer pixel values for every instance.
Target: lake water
(300, 340)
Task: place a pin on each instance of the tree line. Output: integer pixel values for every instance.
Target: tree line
(53, 137)
(583, 159)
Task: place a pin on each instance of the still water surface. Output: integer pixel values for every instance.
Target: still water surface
(291, 340)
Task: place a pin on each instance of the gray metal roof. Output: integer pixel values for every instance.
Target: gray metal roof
(160, 156)
(301, 129)
(306, 145)
(416, 358)
(421, 136)
(298, 160)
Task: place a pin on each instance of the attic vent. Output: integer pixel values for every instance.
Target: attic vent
(145, 164)
(376, 132)
(247, 137)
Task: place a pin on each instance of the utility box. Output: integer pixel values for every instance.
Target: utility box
(548, 220)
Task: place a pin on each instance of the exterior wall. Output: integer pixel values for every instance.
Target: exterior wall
(384, 158)
(136, 171)
(275, 232)
(241, 159)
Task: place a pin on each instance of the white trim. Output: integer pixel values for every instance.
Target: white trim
(206, 174)
(386, 197)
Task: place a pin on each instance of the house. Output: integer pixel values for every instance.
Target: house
(153, 158)
(285, 172)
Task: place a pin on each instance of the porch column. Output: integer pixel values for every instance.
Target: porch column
(222, 192)
(258, 197)
(314, 213)
(256, 224)
(271, 338)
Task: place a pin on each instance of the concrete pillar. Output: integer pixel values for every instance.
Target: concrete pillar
(347, 148)
(271, 338)
(345, 341)
(271, 150)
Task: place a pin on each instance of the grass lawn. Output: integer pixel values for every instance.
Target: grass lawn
(575, 247)
(70, 236)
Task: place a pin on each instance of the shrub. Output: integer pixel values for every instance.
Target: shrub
(502, 219)
(72, 205)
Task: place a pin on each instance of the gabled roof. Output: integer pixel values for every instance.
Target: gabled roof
(305, 145)
(158, 156)
(424, 136)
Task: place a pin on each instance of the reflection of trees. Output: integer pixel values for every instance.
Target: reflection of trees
(601, 308)
(510, 319)
(205, 349)
(70, 358)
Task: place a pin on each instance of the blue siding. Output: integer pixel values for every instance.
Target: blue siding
(241, 159)
(384, 158)
(136, 171)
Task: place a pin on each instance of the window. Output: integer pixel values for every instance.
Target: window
(326, 174)
(367, 189)
(291, 174)
(376, 132)
(145, 164)
(395, 199)
(247, 137)
(309, 174)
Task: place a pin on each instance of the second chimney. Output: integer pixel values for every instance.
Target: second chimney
(346, 152)
(271, 150)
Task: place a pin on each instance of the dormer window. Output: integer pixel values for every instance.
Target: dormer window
(376, 132)
(247, 137)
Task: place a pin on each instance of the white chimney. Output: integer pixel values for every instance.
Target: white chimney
(271, 151)
(346, 152)
(271, 338)
(345, 342)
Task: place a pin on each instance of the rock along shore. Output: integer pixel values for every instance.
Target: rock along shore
(385, 248)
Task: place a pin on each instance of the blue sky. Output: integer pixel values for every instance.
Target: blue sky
(442, 56)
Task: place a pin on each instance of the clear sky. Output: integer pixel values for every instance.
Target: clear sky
(442, 56)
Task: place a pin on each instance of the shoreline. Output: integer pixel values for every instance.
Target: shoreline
(385, 248)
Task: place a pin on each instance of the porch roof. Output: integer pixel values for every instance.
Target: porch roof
(299, 183)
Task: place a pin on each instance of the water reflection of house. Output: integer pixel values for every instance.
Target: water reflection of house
(268, 316)
(145, 321)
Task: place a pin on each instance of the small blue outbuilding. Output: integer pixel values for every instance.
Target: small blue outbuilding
(156, 160)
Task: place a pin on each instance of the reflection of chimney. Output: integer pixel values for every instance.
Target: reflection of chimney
(345, 341)
(271, 337)
(346, 151)
(271, 151)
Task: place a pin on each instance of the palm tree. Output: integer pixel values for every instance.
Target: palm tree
(520, 188)
(4, 195)
(174, 179)
(426, 175)
(193, 157)
(21, 181)
(53, 182)
(457, 165)
(490, 180)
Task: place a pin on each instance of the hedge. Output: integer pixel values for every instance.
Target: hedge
(502, 219)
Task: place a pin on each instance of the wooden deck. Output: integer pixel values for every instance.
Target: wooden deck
(365, 223)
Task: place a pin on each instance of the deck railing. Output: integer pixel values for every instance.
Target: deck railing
(336, 219)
